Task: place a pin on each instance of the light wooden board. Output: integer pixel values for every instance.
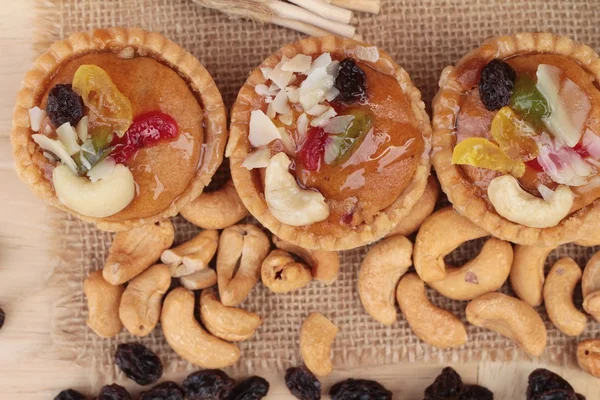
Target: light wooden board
(28, 369)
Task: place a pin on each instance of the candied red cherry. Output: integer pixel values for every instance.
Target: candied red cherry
(64, 105)
(311, 154)
(351, 81)
(496, 84)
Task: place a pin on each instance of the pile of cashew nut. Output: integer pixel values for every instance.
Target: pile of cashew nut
(131, 290)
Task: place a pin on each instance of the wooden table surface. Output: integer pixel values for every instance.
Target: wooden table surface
(29, 370)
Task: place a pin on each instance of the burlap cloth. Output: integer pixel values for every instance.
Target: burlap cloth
(421, 35)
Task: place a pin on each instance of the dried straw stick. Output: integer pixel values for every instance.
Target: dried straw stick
(307, 29)
(329, 11)
(239, 8)
(370, 6)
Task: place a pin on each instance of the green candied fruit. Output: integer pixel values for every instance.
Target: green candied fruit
(527, 101)
(340, 147)
(101, 137)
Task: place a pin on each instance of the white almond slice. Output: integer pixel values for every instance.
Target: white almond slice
(273, 89)
(36, 117)
(317, 110)
(280, 103)
(293, 79)
(266, 71)
(102, 170)
(262, 130)
(333, 68)
(545, 191)
(293, 94)
(68, 137)
(302, 127)
(84, 160)
(338, 124)
(268, 100)
(324, 118)
(367, 53)
(271, 113)
(259, 158)
(279, 76)
(310, 99)
(82, 129)
(88, 147)
(288, 142)
(318, 79)
(56, 148)
(331, 94)
(300, 63)
(47, 130)
(49, 156)
(262, 90)
(323, 61)
(101, 199)
(286, 119)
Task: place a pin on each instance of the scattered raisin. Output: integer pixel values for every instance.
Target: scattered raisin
(542, 381)
(557, 394)
(114, 392)
(253, 388)
(496, 84)
(351, 82)
(210, 384)
(359, 389)
(70, 394)
(164, 391)
(476, 392)
(303, 384)
(139, 363)
(447, 386)
(64, 105)
(2, 317)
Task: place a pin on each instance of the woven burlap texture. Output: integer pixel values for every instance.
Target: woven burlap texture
(421, 35)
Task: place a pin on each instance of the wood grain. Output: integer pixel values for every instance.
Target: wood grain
(28, 368)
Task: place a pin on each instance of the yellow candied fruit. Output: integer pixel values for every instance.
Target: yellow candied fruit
(106, 103)
(514, 136)
(480, 152)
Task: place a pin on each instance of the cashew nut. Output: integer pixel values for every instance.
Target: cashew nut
(324, 265)
(199, 280)
(420, 211)
(316, 337)
(558, 297)
(433, 325)
(439, 235)
(103, 301)
(193, 255)
(509, 317)
(588, 356)
(590, 287)
(99, 199)
(142, 300)
(527, 273)
(288, 202)
(135, 250)
(515, 204)
(281, 273)
(242, 249)
(379, 274)
(228, 323)
(185, 335)
(485, 273)
(216, 210)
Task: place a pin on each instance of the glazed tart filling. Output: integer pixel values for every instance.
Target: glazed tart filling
(529, 129)
(335, 137)
(120, 136)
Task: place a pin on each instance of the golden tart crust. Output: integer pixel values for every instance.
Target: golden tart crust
(460, 189)
(249, 183)
(137, 42)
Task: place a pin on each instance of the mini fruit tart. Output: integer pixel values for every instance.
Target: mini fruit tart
(516, 141)
(329, 144)
(120, 127)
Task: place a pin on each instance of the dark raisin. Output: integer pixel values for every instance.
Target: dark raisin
(447, 386)
(139, 363)
(253, 388)
(2, 317)
(580, 396)
(303, 384)
(351, 82)
(541, 381)
(114, 392)
(557, 394)
(64, 105)
(476, 392)
(164, 391)
(70, 394)
(496, 84)
(210, 384)
(359, 389)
